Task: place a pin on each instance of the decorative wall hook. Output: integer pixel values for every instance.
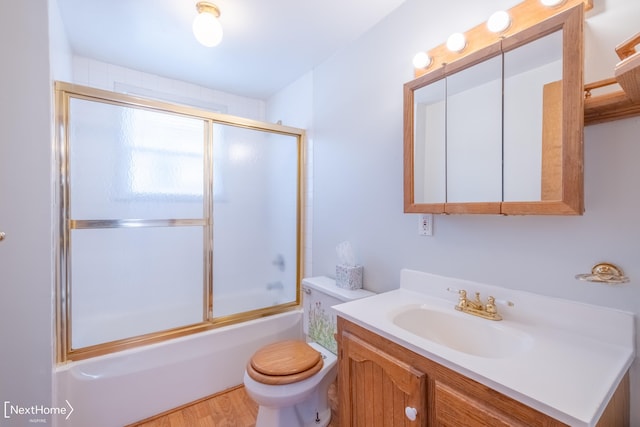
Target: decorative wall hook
(604, 273)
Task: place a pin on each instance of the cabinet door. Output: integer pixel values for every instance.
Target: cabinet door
(377, 388)
(456, 404)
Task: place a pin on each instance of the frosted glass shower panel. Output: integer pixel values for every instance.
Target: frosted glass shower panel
(120, 293)
(127, 162)
(255, 232)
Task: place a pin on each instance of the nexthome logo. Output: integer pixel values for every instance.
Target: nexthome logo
(36, 411)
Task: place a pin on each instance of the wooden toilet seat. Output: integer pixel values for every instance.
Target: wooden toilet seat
(284, 362)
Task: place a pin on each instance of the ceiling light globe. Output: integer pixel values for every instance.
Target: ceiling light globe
(421, 60)
(499, 22)
(456, 42)
(207, 29)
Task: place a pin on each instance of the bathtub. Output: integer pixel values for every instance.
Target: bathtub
(131, 385)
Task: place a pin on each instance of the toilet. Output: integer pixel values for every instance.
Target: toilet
(289, 380)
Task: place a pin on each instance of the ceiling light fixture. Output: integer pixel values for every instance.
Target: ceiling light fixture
(499, 22)
(456, 42)
(206, 26)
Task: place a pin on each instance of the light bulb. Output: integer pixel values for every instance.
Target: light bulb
(456, 42)
(421, 60)
(551, 3)
(207, 28)
(499, 22)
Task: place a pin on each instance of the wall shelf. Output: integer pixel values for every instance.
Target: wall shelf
(608, 107)
(622, 103)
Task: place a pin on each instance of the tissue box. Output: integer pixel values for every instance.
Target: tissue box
(349, 277)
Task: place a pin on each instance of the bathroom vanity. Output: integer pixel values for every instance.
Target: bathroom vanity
(409, 358)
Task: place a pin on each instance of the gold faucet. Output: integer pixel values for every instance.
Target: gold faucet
(476, 307)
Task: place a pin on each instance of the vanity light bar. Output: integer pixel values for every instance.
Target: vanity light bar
(497, 26)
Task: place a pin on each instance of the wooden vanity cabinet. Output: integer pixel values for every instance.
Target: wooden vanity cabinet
(379, 386)
(379, 379)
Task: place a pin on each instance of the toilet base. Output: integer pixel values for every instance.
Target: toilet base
(292, 416)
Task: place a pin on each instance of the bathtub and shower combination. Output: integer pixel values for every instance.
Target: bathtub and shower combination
(121, 388)
(216, 198)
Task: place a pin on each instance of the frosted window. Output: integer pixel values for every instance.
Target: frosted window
(131, 163)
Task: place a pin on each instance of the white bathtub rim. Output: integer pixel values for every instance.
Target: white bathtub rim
(76, 366)
(131, 385)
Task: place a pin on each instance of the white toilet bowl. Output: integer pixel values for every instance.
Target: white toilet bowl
(288, 379)
(299, 404)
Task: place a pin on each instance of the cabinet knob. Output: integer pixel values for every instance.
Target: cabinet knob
(411, 413)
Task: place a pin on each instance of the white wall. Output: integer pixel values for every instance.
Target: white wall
(26, 265)
(357, 163)
(102, 75)
(59, 50)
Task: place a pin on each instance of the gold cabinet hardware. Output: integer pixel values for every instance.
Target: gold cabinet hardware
(604, 273)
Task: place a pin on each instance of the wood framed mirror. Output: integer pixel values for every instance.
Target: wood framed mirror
(497, 129)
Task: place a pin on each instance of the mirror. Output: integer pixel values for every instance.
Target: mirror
(500, 129)
(430, 147)
(532, 72)
(474, 133)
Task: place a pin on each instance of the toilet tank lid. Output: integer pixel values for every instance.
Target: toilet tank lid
(328, 286)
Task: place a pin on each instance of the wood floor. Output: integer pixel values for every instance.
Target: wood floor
(231, 408)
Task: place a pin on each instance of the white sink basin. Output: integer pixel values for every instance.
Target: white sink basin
(463, 332)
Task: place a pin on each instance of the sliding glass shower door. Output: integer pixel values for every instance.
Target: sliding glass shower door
(137, 220)
(255, 254)
(172, 220)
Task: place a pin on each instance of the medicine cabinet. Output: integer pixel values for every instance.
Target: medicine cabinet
(499, 129)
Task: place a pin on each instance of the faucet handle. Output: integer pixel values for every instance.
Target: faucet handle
(490, 306)
(462, 300)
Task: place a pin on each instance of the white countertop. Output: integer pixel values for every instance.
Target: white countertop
(577, 357)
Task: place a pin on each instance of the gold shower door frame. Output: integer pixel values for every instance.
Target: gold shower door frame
(64, 92)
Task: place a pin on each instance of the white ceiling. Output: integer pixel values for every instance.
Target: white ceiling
(267, 44)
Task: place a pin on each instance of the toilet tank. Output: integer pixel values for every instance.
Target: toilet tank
(319, 294)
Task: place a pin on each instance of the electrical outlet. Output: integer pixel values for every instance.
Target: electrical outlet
(425, 225)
